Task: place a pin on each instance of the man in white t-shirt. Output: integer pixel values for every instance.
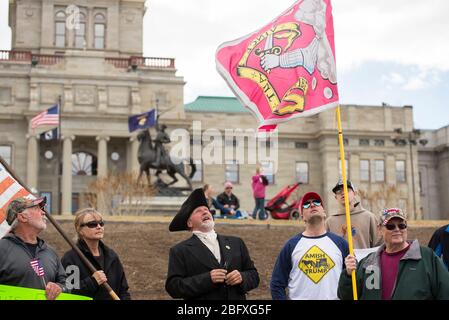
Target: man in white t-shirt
(310, 263)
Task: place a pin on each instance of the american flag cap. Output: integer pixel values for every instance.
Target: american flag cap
(390, 213)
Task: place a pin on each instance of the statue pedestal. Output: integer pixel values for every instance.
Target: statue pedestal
(157, 205)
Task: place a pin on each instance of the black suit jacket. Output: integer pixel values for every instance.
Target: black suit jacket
(190, 263)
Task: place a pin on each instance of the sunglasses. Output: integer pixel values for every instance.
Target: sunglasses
(392, 226)
(316, 203)
(92, 224)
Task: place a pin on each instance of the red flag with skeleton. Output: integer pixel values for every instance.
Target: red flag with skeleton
(286, 69)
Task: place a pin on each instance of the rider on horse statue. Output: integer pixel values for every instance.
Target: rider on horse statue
(161, 139)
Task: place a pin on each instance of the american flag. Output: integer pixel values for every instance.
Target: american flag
(49, 117)
(10, 189)
(37, 267)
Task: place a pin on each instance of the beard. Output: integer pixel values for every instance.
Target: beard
(40, 225)
(208, 225)
(315, 219)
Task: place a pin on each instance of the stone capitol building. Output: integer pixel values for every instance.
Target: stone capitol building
(99, 74)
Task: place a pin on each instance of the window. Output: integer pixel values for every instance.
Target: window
(346, 167)
(49, 199)
(6, 153)
(80, 32)
(60, 29)
(83, 164)
(5, 95)
(198, 176)
(379, 171)
(345, 141)
(364, 142)
(301, 145)
(400, 171)
(232, 171)
(364, 170)
(268, 170)
(302, 172)
(99, 31)
(379, 142)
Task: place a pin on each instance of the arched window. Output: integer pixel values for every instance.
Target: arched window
(60, 29)
(83, 164)
(80, 32)
(99, 31)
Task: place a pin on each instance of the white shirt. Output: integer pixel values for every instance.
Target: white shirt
(210, 241)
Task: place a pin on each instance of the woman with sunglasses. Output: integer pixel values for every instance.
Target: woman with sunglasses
(398, 270)
(89, 226)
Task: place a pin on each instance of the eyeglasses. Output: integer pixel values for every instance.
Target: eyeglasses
(228, 188)
(392, 226)
(316, 203)
(92, 224)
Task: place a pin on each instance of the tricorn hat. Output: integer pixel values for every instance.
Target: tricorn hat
(196, 199)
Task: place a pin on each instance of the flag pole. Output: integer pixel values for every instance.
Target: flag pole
(63, 234)
(58, 196)
(345, 190)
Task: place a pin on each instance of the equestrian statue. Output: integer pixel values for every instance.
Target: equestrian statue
(153, 155)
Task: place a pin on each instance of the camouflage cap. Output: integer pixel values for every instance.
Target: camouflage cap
(390, 213)
(18, 205)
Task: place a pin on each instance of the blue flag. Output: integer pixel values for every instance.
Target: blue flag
(142, 121)
(50, 135)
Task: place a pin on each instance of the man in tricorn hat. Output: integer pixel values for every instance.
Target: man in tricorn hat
(25, 259)
(207, 265)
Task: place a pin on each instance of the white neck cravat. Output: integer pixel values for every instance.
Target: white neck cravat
(210, 241)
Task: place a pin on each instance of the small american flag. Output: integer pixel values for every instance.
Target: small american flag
(37, 267)
(49, 117)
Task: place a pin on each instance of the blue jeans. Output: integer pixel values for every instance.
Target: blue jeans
(260, 207)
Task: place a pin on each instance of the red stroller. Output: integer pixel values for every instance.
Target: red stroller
(280, 209)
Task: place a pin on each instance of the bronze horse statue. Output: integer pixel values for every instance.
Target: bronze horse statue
(147, 158)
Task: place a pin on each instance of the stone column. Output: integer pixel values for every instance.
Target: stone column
(32, 161)
(102, 156)
(102, 171)
(133, 162)
(66, 185)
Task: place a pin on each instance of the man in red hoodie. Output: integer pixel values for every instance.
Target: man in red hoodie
(259, 183)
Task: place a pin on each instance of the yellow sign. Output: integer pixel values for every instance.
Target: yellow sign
(315, 264)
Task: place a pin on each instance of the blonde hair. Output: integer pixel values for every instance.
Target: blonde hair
(80, 214)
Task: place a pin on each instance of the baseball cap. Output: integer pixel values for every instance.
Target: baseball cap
(307, 196)
(18, 205)
(339, 185)
(228, 184)
(389, 213)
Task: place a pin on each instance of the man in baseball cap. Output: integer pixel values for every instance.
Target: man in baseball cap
(20, 204)
(407, 270)
(25, 259)
(363, 222)
(310, 263)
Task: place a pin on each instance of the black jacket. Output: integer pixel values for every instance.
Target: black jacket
(190, 263)
(231, 200)
(440, 244)
(112, 268)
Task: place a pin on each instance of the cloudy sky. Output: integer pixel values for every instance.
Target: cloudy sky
(392, 51)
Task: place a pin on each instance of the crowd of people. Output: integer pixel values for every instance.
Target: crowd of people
(314, 264)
